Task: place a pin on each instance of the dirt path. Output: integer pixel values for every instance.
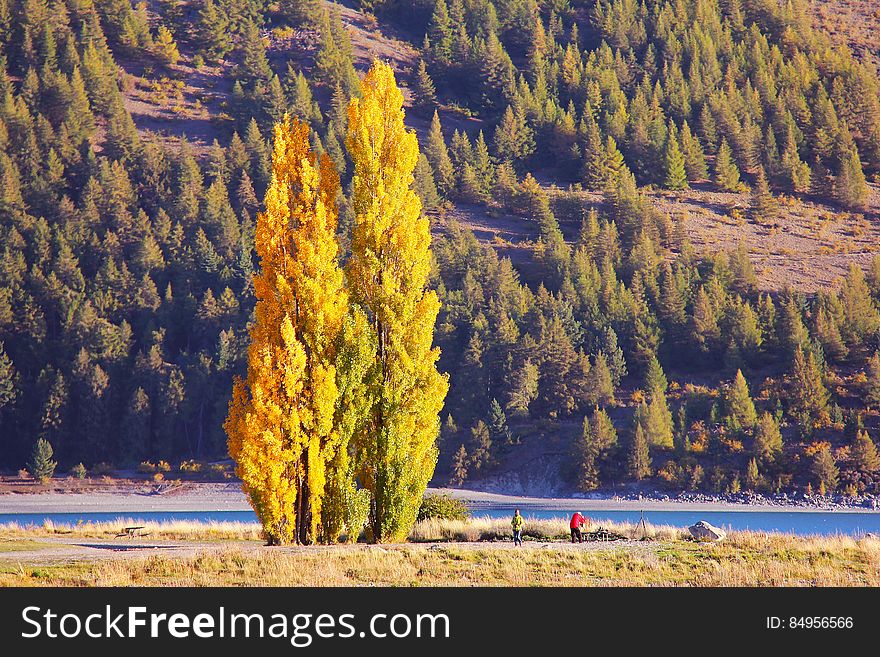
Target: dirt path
(69, 550)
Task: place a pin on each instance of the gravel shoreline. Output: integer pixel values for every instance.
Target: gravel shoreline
(198, 497)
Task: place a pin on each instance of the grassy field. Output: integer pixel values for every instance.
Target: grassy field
(439, 553)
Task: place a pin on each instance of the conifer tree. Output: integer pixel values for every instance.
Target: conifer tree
(768, 439)
(459, 470)
(523, 389)
(497, 422)
(694, 158)
(514, 140)
(424, 92)
(850, 188)
(586, 453)
(824, 470)
(213, 31)
(674, 175)
(165, 47)
(595, 172)
(638, 460)
(41, 466)
(860, 315)
(765, 208)
(423, 184)
(387, 275)
(796, 172)
(282, 423)
(726, 173)
(809, 395)
(752, 477)
(741, 412)
(872, 386)
(864, 453)
(438, 156)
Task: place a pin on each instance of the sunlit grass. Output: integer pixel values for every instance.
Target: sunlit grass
(454, 553)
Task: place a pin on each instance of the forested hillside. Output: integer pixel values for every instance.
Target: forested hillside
(654, 226)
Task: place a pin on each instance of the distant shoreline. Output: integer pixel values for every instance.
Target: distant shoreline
(208, 497)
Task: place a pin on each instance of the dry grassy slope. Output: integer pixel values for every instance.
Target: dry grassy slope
(810, 247)
(854, 22)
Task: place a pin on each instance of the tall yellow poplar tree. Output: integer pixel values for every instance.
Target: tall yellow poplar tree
(283, 427)
(387, 276)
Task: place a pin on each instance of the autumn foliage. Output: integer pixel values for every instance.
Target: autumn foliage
(388, 275)
(342, 385)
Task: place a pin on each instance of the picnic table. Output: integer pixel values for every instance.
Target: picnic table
(131, 532)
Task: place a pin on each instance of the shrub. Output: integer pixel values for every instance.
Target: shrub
(190, 466)
(146, 468)
(78, 471)
(41, 466)
(102, 469)
(442, 507)
(163, 466)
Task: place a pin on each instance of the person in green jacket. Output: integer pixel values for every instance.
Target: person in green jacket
(517, 524)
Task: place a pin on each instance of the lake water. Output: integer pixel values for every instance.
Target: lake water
(799, 522)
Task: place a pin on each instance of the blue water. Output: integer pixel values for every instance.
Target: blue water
(800, 522)
(791, 522)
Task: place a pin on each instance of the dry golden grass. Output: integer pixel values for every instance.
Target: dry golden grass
(447, 553)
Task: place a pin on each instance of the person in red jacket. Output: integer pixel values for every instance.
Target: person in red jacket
(577, 521)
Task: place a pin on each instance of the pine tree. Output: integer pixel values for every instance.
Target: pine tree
(165, 48)
(424, 92)
(741, 412)
(459, 470)
(213, 31)
(872, 389)
(523, 389)
(497, 421)
(282, 423)
(860, 316)
(603, 431)
(41, 466)
(301, 12)
(586, 454)
(765, 208)
(655, 380)
(134, 441)
(595, 172)
(514, 140)
(674, 175)
(796, 172)
(850, 188)
(391, 244)
(752, 477)
(824, 470)
(638, 460)
(438, 156)
(768, 439)
(809, 395)
(423, 184)
(864, 453)
(694, 158)
(726, 173)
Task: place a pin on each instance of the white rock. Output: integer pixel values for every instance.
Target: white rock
(703, 531)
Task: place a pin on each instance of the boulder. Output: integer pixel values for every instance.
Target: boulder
(703, 531)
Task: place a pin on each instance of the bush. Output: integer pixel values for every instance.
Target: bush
(102, 469)
(41, 466)
(190, 466)
(78, 471)
(442, 507)
(163, 466)
(146, 468)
